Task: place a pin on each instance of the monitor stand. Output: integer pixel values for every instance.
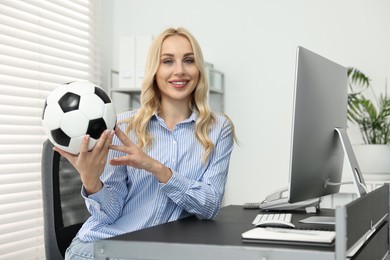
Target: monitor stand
(357, 176)
(360, 185)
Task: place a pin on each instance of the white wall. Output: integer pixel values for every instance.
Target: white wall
(253, 42)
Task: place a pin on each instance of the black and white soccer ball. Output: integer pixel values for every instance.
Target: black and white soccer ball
(74, 110)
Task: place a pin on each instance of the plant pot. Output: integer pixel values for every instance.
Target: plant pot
(373, 158)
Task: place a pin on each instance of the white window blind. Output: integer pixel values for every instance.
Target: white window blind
(43, 44)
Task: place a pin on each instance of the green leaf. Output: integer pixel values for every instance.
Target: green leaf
(358, 78)
(372, 120)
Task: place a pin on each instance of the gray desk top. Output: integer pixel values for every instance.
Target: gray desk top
(225, 229)
(193, 239)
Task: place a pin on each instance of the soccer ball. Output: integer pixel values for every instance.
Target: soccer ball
(75, 109)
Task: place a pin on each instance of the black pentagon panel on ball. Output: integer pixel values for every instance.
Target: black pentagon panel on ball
(69, 102)
(103, 95)
(60, 137)
(96, 127)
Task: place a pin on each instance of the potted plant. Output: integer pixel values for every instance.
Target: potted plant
(372, 116)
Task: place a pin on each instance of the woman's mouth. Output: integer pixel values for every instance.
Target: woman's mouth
(179, 84)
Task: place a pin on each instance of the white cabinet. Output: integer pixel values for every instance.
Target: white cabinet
(123, 98)
(216, 80)
(133, 51)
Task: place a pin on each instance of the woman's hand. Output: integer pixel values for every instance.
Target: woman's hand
(90, 165)
(137, 158)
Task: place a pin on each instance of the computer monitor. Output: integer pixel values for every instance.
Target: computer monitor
(319, 139)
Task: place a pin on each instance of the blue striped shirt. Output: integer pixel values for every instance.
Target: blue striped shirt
(132, 199)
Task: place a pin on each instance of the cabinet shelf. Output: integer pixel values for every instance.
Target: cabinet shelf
(126, 90)
(216, 91)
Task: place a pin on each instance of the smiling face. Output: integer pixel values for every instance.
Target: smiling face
(177, 74)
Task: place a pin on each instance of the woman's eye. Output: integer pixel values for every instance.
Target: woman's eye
(189, 61)
(167, 61)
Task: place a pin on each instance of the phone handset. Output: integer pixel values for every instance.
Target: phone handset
(273, 196)
(278, 194)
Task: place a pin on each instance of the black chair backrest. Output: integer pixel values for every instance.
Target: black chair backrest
(64, 207)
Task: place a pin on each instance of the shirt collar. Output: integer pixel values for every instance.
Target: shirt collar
(194, 115)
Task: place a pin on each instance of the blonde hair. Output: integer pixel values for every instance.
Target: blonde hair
(151, 98)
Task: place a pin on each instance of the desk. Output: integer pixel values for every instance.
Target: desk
(193, 238)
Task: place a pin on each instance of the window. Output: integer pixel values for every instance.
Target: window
(43, 44)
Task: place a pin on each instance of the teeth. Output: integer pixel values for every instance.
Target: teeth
(179, 82)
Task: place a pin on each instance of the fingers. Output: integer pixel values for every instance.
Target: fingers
(120, 148)
(84, 144)
(110, 135)
(122, 137)
(68, 156)
(104, 140)
(120, 161)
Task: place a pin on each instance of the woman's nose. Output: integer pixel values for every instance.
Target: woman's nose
(179, 68)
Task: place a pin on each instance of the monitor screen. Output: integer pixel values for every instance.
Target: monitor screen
(320, 106)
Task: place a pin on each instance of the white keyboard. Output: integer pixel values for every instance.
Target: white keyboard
(275, 220)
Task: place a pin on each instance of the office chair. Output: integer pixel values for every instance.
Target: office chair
(63, 206)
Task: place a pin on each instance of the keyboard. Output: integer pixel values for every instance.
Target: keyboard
(289, 235)
(273, 220)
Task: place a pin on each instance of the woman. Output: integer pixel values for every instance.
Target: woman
(169, 159)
